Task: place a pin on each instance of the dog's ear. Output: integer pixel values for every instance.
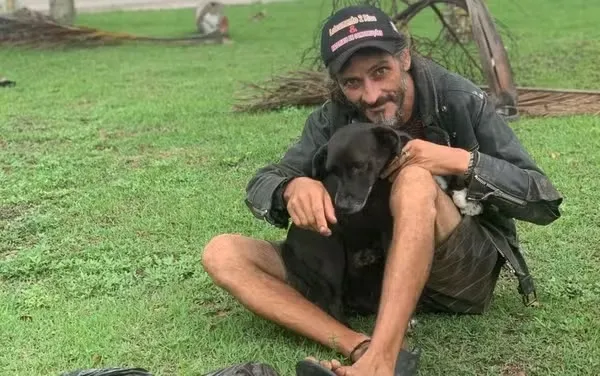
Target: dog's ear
(403, 138)
(387, 138)
(318, 162)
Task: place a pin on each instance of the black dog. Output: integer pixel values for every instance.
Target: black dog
(342, 273)
(349, 166)
(346, 268)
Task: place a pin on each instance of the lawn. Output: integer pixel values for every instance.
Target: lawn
(118, 164)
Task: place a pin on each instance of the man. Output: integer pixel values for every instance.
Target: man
(438, 260)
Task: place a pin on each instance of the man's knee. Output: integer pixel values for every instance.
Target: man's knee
(228, 258)
(219, 256)
(417, 183)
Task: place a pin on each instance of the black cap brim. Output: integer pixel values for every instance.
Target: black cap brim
(336, 64)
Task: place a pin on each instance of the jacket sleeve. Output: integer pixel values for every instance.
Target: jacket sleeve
(505, 175)
(264, 192)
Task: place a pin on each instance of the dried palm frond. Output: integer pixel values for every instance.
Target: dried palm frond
(33, 29)
(297, 88)
(311, 88)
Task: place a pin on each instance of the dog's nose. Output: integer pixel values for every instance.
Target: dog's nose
(347, 205)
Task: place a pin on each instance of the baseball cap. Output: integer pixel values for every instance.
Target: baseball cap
(355, 27)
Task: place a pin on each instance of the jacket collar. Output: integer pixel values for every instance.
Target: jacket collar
(426, 92)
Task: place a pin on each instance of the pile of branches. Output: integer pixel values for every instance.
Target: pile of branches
(29, 28)
(296, 88)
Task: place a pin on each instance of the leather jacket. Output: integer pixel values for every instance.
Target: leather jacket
(457, 113)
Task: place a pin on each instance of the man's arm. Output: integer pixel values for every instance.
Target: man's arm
(264, 192)
(504, 174)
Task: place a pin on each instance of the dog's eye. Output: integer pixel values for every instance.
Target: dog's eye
(359, 167)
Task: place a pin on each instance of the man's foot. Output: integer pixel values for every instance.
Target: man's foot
(312, 367)
(365, 366)
(406, 364)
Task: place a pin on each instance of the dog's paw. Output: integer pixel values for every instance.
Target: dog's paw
(460, 198)
(472, 209)
(466, 207)
(441, 182)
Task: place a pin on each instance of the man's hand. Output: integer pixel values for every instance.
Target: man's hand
(437, 159)
(309, 204)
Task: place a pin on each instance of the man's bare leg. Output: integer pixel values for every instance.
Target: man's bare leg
(424, 217)
(252, 271)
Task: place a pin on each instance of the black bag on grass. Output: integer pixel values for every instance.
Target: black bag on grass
(113, 371)
(243, 369)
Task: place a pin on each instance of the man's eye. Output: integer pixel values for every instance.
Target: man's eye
(380, 72)
(351, 84)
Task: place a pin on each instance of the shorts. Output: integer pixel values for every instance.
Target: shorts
(345, 279)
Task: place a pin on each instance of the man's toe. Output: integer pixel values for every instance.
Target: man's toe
(312, 368)
(345, 371)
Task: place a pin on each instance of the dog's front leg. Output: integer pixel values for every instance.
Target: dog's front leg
(466, 207)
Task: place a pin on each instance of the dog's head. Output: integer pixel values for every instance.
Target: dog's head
(356, 155)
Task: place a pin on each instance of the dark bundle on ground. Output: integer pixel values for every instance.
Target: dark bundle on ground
(33, 29)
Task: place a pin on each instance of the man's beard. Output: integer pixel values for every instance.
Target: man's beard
(397, 97)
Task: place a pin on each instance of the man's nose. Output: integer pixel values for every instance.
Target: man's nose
(371, 93)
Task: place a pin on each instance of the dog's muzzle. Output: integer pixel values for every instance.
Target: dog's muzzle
(350, 204)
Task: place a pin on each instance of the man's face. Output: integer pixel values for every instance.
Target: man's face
(376, 83)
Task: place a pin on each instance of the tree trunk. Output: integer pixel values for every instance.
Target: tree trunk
(458, 19)
(63, 11)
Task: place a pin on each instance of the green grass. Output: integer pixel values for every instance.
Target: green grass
(118, 164)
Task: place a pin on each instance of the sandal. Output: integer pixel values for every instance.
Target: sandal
(358, 347)
(407, 362)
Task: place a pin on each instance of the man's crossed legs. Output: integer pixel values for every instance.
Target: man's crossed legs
(438, 261)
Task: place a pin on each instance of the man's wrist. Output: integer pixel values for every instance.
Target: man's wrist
(473, 158)
(284, 190)
(461, 162)
(279, 194)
